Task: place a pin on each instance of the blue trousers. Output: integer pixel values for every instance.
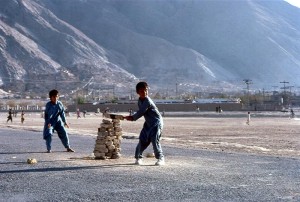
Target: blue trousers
(62, 134)
(149, 136)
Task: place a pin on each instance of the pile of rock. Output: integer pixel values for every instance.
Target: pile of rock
(108, 142)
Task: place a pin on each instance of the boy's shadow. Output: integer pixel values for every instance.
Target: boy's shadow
(61, 169)
(25, 152)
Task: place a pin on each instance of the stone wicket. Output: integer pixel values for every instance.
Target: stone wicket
(108, 142)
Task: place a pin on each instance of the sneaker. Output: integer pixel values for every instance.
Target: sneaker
(160, 162)
(139, 162)
(70, 150)
(48, 151)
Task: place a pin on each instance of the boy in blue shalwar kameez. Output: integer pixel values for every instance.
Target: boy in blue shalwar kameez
(152, 128)
(55, 120)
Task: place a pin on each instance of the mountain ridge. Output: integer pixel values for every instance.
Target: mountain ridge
(201, 45)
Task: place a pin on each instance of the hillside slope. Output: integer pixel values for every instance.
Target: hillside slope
(40, 51)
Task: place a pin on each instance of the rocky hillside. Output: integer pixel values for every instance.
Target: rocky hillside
(40, 51)
(195, 44)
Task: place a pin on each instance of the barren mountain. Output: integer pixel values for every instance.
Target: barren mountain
(40, 51)
(196, 44)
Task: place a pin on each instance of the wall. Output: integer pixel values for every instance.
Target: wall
(162, 107)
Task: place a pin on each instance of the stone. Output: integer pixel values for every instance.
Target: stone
(109, 143)
(150, 155)
(31, 161)
(100, 146)
(101, 129)
(111, 147)
(116, 125)
(100, 157)
(106, 121)
(106, 125)
(103, 133)
(116, 156)
(118, 133)
(116, 121)
(118, 129)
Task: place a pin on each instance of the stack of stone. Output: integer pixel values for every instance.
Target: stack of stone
(108, 142)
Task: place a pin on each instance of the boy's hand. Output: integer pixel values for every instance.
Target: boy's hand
(129, 118)
(49, 125)
(67, 125)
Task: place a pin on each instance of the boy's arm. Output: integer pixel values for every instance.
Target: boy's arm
(46, 114)
(143, 107)
(63, 115)
(128, 118)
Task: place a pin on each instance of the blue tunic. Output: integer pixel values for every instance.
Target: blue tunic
(55, 115)
(152, 128)
(153, 119)
(148, 109)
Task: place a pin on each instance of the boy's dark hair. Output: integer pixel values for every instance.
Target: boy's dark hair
(140, 85)
(53, 93)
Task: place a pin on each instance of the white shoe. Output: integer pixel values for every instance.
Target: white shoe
(160, 162)
(139, 162)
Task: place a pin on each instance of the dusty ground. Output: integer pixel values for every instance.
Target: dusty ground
(268, 133)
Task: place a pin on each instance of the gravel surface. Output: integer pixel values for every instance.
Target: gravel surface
(269, 133)
(201, 164)
(189, 175)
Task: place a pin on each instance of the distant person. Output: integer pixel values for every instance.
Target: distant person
(84, 113)
(9, 117)
(220, 109)
(22, 117)
(152, 128)
(107, 110)
(130, 112)
(248, 118)
(292, 114)
(78, 113)
(55, 120)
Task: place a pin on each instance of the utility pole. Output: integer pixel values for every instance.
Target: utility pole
(284, 90)
(290, 94)
(248, 82)
(284, 87)
(263, 101)
(274, 90)
(297, 91)
(176, 89)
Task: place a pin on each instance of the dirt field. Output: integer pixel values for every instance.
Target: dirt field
(269, 133)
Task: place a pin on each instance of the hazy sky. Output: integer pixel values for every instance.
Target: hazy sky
(294, 2)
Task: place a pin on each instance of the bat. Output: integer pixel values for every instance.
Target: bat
(114, 116)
